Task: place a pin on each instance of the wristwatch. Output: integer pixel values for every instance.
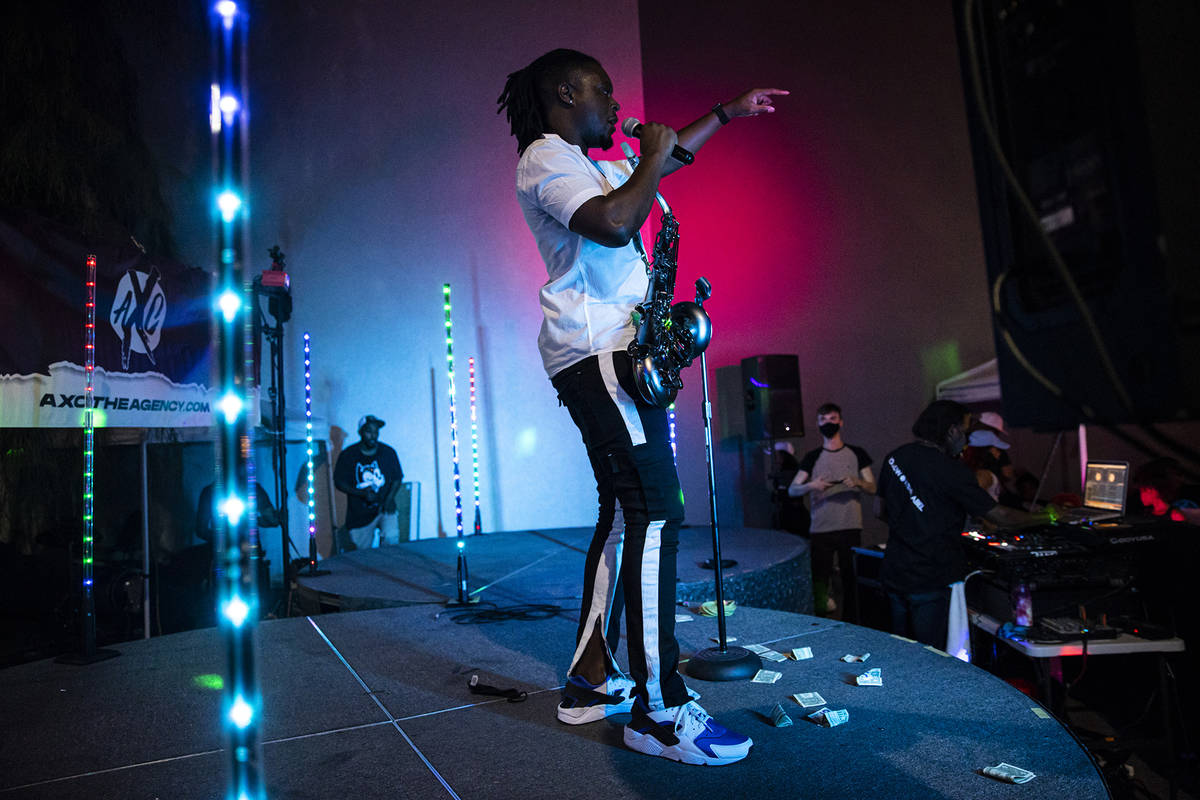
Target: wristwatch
(719, 110)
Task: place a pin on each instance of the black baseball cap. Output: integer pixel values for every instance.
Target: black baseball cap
(370, 419)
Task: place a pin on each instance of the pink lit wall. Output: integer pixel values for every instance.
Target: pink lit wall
(842, 228)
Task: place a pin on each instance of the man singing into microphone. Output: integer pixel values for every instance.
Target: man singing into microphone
(585, 216)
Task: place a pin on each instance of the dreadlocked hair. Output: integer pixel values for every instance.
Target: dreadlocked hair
(528, 91)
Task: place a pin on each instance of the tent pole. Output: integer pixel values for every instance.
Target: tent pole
(145, 539)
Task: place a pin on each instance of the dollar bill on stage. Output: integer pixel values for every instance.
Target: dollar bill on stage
(872, 677)
(766, 676)
(1008, 773)
(809, 699)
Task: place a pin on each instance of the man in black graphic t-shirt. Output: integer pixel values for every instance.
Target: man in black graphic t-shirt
(368, 472)
(926, 494)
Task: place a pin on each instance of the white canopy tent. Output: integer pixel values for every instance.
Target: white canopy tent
(979, 384)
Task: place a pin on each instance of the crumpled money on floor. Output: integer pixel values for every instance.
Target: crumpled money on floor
(830, 719)
(872, 677)
(1008, 773)
(779, 717)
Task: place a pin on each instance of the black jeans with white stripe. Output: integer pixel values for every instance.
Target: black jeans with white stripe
(636, 541)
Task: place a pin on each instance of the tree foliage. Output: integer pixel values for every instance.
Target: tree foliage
(70, 143)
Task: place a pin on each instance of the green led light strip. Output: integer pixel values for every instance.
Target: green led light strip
(453, 422)
(89, 453)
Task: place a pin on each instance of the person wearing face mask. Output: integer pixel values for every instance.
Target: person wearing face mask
(834, 476)
(925, 494)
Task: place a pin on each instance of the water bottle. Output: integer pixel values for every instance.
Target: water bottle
(1022, 605)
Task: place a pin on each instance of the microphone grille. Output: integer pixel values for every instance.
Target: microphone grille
(630, 125)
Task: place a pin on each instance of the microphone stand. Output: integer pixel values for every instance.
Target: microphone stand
(720, 663)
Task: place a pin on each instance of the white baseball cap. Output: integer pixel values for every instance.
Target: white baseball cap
(992, 420)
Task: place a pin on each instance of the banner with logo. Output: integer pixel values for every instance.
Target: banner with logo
(153, 333)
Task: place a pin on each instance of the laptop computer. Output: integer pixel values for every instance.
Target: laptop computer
(1105, 490)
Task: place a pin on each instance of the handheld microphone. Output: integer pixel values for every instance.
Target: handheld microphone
(632, 126)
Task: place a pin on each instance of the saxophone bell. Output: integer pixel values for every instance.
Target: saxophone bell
(694, 318)
(654, 384)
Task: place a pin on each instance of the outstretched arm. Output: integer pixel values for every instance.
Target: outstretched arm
(748, 104)
(613, 219)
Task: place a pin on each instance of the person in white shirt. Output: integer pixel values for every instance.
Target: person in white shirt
(585, 216)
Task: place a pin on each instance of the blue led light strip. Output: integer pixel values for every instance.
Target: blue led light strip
(236, 545)
(474, 445)
(308, 436)
(458, 515)
(671, 424)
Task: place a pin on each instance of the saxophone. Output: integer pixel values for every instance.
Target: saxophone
(668, 336)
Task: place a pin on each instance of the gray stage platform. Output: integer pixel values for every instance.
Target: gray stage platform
(772, 570)
(375, 704)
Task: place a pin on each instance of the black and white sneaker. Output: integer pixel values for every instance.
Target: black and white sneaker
(687, 734)
(584, 702)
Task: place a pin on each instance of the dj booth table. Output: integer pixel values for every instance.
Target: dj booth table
(1090, 576)
(1047, 656)
(1104, 570)
(1113, 579)
(1047, 660)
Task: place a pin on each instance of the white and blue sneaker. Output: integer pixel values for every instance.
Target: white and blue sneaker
(584, 702)
(685, 733)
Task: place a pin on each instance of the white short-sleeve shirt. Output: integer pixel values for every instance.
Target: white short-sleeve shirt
(592, 289)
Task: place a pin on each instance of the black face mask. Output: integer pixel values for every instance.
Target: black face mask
(956, 442)
(829, 429)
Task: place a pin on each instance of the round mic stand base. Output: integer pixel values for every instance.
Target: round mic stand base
(730, 664)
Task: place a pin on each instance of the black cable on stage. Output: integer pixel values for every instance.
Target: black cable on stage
(512, 695)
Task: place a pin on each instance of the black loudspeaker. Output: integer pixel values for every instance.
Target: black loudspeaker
(1093, 104)
(771, 390)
